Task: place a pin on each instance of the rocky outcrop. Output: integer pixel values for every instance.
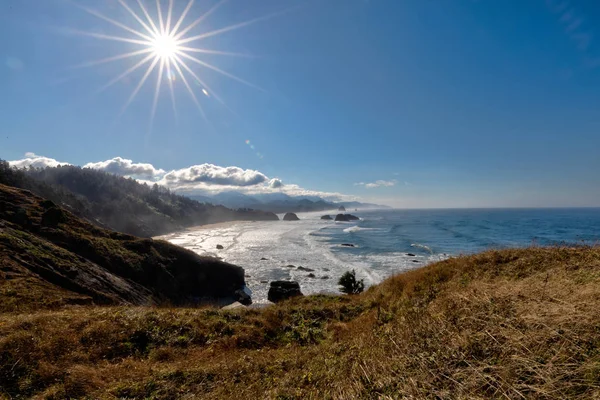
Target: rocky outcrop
(236, 305)
(243, 297)
(283, 290)
(327, 217)
(290, 217)
(52, 217)
(346, 217)
(75, 261)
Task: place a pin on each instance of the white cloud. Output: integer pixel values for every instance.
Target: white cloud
(200, 179)
(125, 167)
(275, 183)
(376, 184)
(214, 175)
(33, 160)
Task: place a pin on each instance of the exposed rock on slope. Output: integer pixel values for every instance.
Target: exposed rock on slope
(283, 290)
(49, 257)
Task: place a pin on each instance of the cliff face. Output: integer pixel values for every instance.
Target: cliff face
(49, 257)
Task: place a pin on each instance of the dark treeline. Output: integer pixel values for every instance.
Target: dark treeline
(118, 203)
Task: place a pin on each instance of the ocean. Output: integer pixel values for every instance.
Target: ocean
(384, 242)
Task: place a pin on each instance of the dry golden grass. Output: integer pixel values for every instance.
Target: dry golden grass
(502, 324)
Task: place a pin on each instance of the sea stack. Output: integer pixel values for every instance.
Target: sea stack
(290, 217)
(346, 217)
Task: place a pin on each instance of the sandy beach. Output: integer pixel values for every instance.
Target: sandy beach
(216, 225)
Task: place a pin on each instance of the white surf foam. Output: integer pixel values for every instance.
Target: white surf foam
(353, 229)
(422, 246)
(265, 249)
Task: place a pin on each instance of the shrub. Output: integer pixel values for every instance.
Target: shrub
(349, 284)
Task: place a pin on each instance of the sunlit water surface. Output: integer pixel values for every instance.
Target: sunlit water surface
(385, 242)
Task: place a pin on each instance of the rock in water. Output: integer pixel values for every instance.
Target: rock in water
(290, 217)
(283, 290)
(328, 217)
(219, 247)
(342, 208)
(347, 245)
(346, 217)
(301, 268)
(341, 217)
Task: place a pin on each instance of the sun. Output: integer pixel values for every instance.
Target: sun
(164, 46)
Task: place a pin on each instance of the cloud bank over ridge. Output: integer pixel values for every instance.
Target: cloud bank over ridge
(35, 161)
(125, 167)
(214, 175)
(202, 179)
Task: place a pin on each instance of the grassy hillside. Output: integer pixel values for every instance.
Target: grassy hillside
(119, 203)
(50, 258)
(502, 324)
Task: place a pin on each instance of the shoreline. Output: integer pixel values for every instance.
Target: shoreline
(215, 225)
(226, 224)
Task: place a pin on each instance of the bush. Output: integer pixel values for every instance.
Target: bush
(349, 284)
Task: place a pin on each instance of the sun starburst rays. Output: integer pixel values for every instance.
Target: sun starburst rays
(166, 50)
(127, 72)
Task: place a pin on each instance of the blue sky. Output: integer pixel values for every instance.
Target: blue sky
(410, 103)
